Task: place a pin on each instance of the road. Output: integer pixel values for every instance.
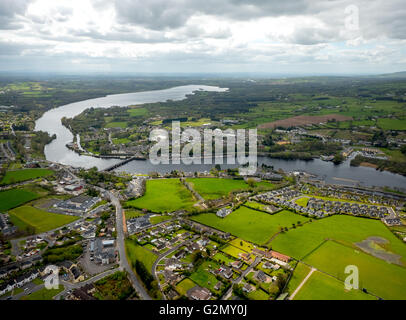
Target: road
(121, 248)
(163, 255)
(70, 286)
(302, 283)
(239, 279)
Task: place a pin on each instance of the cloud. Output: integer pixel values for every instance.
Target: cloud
(9, 9)
(202, 35)
(172, 14)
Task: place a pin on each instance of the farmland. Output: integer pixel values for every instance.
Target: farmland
(214, 188)
(304, 120)
(345, 229)
(16, 176)
(38, 220)
(299, 274)
(164, 196)
(13, 198)
(376, 275)
(323, 287)
(136, 252)
(251, 225)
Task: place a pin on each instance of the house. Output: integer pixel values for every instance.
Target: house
(77, 276)
(171, 294)
(226, 271)
(261, 276)
(192, 247)
(180, 254)
(280, 256)
(83, 293)
(218, 285)
(26, 265)
(237, 264)
(247, 288)
(245, 256)
(268, 265)
(170, 276)
(203, 242)
(198, 293)
(223, 212)
(172, 264)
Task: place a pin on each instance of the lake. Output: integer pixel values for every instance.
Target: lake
(57, 151)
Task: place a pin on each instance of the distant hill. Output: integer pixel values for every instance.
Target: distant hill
(401, 74)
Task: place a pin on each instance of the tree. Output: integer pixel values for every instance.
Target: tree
(338, 158)
(251, 182)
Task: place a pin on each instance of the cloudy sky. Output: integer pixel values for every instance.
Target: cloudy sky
(273, 36)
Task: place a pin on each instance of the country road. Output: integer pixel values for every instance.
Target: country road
(121, 248)
(301, 284)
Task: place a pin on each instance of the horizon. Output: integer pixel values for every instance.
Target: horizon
(300, 37)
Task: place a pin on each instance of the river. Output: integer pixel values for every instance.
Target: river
(57, 151)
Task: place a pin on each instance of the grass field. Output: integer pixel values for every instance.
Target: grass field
(136, 252)
(203, 277)
(158, 219)
(222, 258)
(258, 294)
(13, 198)
(164, 195)
(43, 294)
(302, 201)
(298, 275)
(185, 285)
(232, 251)
(116, 125)
(323, 287)
(136, 112)
(214, 188)
(121, 141)
(41, 221)
(342, 228)
(376, 275)
(16, 176)
(251, 225)
(392, 124)
(132, 214)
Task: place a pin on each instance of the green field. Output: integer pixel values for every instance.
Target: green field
(345, 229)
(43, 294)
(214, 188)
(13, 198)
(222, 258)
(302, 201)
(258, 294)
(300, 272)
(16, 176)
(251, 225)
(164, 195)
(183, 286)
(323, 287)
(232, 251)
(392, 124)
(158, 219)
(132, 214)
(39, 220)
(376, 275)
(203, 277)
(136, 252)
(116, 125)
(136, 112)
(121, 141)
